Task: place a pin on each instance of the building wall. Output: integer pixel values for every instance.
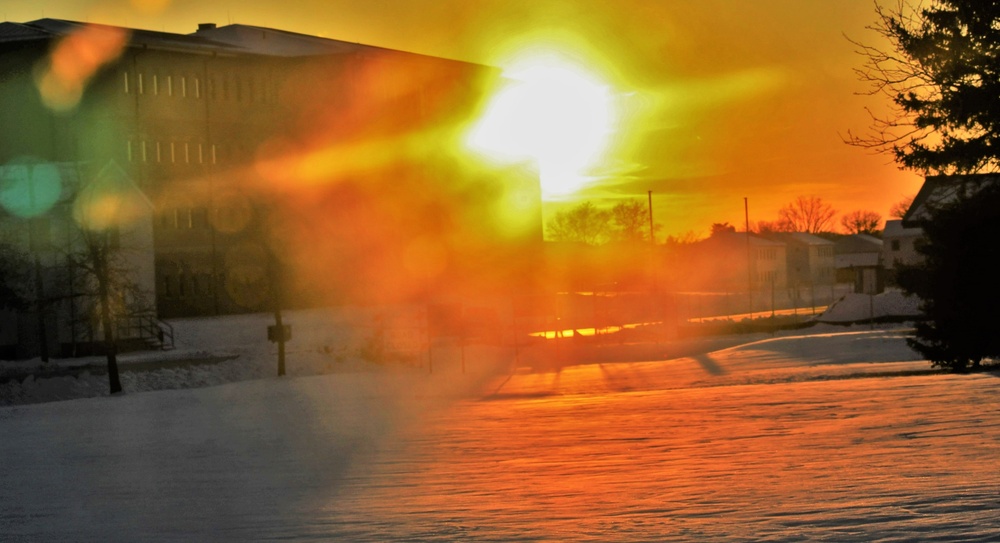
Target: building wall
(899, 245)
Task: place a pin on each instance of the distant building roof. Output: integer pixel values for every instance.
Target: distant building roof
(856, 260)
(741, 237)
(801, 238)
(857, 243)
(939, 190)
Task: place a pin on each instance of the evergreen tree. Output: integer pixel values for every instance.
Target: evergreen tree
(957, 281)
(943, 76)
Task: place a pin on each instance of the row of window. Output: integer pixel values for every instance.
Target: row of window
(768, 276)
(183, 86)
(182, 152)
(173, 152)
(240, 89)
(767, 254)
(184, 218)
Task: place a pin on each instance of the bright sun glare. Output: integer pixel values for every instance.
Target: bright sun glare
(554, 112)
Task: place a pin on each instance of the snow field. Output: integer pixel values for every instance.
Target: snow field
(814, 437)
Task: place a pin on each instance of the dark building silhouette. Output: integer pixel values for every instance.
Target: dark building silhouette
(278, 162)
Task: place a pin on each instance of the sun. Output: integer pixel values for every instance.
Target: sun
(553, 111)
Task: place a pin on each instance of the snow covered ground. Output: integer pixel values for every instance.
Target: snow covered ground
(837, 435)
(858, 307)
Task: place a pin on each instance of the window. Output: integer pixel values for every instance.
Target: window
(197, 88)
(139, 83)
(213, 154)
(895, 245)
(170, 85)
(156, 85)
(173, 153)
(128, 150)
(184, 87)
(126, 82)
(159, 157)
(187, 153)
(201, 157)
(142, 150)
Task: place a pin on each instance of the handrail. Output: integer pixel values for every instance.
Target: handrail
(146, 327)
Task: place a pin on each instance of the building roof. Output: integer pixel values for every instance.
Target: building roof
(856, 260)
(232, 39)
(49, 29)
(857, 243)
(731, 238)
(939, 190)
(895, 229)
(801, 238)
(13, 32)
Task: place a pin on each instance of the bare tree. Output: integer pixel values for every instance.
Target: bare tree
(97, 260)
(899, 209)
(941, 79)
(722, 228)
(766, 227)
(583, 223)
(102, 278)
(13, 277)
(630, 221)
(686, 238)
(861, 222)
(806, 214)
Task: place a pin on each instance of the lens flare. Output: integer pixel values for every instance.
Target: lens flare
(28, 189)
(553, 110)
(63, 76)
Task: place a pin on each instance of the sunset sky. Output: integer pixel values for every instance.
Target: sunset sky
(711, 101)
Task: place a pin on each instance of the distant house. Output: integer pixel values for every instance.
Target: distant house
(899, 246)
(810, 259)
(939, 190)
(720, 264)
(857, 259)
(68, 198)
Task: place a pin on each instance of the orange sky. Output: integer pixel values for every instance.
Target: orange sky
(726, 99)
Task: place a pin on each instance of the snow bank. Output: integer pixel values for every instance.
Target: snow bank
(219, 350)
(862, 307)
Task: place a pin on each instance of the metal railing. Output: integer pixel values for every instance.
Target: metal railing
(148, 328)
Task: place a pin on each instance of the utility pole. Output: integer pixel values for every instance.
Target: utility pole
(652, 237)
(746, 215)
